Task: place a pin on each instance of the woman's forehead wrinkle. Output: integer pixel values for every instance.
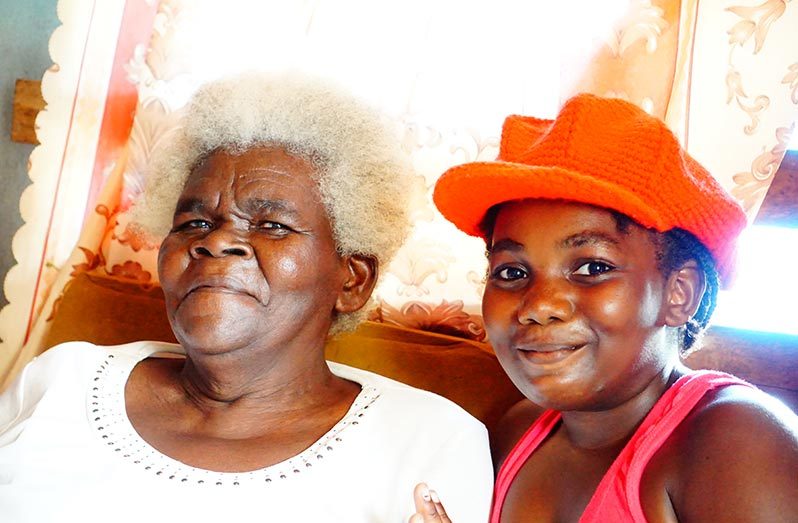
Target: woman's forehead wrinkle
(266, 205)
(266, 175)
(247, 190)
(268, 169)
(196, 199)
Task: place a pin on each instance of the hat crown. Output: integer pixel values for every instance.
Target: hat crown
(603, 152)
(592, 135)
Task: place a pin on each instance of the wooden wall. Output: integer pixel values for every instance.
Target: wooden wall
(767, 360)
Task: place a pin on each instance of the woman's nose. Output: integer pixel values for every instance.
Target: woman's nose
(220, 243)
(545, 302)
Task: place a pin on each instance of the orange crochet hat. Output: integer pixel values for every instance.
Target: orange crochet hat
(603, 152)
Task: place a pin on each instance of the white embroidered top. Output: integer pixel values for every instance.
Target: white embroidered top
(69, 453)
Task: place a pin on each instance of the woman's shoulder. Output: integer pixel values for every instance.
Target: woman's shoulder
(83, 353)
(49, 379)
(61, 361)
(73, 363)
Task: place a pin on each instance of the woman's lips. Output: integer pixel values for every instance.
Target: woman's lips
(217, 284)
(221, 290)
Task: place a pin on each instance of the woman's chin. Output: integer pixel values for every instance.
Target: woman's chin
(215, 335)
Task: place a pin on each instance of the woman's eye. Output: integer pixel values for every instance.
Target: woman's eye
(193, 225)
(273, 229)
(509, 273)
(593, 268)
(273, 226)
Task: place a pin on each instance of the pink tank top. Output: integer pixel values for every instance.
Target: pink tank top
(617, 497)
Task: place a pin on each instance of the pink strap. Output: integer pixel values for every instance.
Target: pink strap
(669, 411)
(530, 441)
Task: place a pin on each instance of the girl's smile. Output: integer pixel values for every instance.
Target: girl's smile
(574, 305)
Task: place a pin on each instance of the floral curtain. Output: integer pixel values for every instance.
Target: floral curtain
(723, 74)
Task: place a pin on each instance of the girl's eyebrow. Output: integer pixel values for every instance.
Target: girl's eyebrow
(588, 238)
(505, 244)
(575, 240)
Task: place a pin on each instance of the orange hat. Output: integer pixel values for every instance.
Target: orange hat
(603, 152)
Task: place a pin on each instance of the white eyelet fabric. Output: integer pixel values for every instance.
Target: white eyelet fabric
(69, 453)
(105, 407)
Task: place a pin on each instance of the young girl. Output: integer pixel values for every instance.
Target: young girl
(606, 245)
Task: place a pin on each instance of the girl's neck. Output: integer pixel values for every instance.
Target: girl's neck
(607, 428)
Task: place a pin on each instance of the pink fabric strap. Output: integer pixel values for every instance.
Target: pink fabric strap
(518, 456)
(618, 493)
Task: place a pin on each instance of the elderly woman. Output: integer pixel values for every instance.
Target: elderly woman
(279, 203)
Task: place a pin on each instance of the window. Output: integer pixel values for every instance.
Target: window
(765, 294)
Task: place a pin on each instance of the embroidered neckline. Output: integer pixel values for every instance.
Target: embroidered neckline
(105, 408)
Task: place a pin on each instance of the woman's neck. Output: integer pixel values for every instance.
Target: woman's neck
(261, 386)
(252, 415)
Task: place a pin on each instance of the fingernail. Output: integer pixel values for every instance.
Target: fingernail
(434, 496)
(426, 494)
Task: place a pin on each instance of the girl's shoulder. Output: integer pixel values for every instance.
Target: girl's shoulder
(735, 454)
(735, 416)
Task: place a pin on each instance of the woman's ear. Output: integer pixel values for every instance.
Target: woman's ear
(683, 292)
(359, 283)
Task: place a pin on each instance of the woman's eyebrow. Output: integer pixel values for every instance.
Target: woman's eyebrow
(259, 205)
(250, 206)
(189, 205)
(588, 238)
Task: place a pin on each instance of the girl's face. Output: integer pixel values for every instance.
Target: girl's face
(574, 307)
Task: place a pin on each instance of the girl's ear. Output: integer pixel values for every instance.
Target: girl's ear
(359, 283)
(683, 292)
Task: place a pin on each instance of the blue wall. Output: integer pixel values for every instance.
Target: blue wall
(25, 29)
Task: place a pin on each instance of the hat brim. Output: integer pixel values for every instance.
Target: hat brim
(464, 193)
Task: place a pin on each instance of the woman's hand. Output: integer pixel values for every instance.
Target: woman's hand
(429, 508)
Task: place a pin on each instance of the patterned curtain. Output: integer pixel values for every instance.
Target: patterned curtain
(723, 74)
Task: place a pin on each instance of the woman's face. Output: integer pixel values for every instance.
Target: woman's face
(250, 259)
(575, 308)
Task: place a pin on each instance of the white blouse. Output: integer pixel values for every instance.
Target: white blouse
(69, 453)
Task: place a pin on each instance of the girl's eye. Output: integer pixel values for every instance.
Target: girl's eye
(593, 268)
(509, 273)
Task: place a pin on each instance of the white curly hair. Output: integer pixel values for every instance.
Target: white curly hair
(364, 178)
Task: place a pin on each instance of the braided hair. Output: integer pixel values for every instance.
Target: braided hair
(675, 248)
